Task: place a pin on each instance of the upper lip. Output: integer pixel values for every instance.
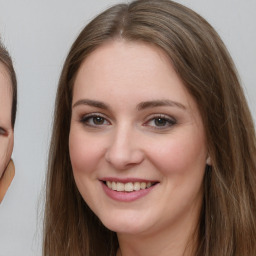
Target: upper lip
(126, 180)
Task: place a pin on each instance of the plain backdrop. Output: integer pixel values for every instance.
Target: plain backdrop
(38, 35)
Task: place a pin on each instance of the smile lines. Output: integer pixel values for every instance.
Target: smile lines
(129, 186)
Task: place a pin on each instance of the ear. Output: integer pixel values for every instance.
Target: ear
(6, 179)
(209, 161)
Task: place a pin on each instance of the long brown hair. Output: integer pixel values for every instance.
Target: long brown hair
(6, 60)
(228, 223)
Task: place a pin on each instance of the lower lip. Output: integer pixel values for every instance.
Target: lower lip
(126, 196)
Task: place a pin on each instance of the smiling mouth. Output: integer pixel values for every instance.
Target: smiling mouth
(128, 186)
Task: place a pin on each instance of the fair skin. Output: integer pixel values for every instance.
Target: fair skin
(136, 129)
(6, 130)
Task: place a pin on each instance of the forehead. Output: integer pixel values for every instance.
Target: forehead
(5, 80)
(128, 69)
(5, 91)
(4, 76)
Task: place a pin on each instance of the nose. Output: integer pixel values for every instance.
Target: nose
(124, 150)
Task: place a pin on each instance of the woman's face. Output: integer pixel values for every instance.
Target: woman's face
(137, 142)
(6, 130)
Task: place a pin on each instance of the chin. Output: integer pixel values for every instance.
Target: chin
(125, 224)
(125, 229)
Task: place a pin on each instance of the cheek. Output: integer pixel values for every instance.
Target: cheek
(6, 147)
(180, 153)
(84, 152)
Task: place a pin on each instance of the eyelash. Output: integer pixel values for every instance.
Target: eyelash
(165, 121)
(92, 117)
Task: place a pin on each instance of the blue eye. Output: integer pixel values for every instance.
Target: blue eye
(94, 120)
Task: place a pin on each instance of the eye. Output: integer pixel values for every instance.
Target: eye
(160, 122)
(94, 120)
(3, 131)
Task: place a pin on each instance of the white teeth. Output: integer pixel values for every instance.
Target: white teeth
(109, 184)
(143, 185)
(119, 186)
(129, 186)
(136, 186)
(113, 185)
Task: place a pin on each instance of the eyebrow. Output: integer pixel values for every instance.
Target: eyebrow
(140, 106)
(160, 103)
(93, 103)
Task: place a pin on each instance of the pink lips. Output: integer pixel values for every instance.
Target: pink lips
(126, 196)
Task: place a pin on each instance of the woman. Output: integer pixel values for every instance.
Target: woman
(153, 145)
(8, 103)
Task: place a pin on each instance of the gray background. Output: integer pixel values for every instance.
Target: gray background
(38, 35)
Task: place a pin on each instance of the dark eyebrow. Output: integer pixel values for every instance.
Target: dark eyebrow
(160, 103)
(141, 106)
(93, 103)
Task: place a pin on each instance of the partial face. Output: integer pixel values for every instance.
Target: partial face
(6, 131)
(137, 142)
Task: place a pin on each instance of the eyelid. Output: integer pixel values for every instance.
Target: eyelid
(83, 119)
(171, 120)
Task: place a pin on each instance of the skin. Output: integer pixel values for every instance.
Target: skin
(128, 141)
(6, 131)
